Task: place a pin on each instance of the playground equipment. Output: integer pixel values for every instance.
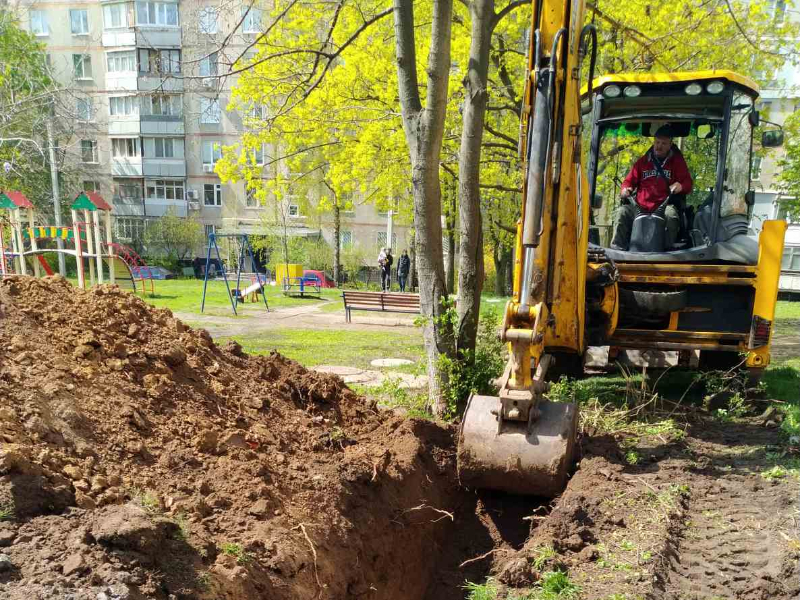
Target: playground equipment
(91, 240)
(134, 264)
(237, 294)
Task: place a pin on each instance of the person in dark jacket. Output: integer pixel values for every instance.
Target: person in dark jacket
(649, 188)
(403, 267)
(385, 261)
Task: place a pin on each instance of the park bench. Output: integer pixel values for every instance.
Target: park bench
(379, 301)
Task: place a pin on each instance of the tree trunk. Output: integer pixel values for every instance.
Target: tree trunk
(337, 243)
(424, 129)
(412, 272)
(470, 267)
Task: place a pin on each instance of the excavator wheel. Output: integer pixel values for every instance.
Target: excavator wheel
(535, 463)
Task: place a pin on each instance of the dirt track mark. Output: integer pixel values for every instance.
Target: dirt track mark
(730, 548)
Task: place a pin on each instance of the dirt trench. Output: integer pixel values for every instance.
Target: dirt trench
(138, 459)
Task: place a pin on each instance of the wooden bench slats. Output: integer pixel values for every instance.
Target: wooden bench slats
(380, 301)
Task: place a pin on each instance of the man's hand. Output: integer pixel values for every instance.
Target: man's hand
(625, 193)
(675, 188)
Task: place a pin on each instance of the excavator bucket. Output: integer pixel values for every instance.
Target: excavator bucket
(514, 460)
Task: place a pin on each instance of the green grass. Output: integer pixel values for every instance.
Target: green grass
(787, 309)
(354, 348)
(481, 591)
(782, 381)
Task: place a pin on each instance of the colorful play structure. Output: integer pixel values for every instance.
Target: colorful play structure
(257, 280)
(89, 235)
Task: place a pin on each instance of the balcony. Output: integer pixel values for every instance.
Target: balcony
(128, 207)
(148, 82)
(119, 38)
(164, 167)
(158, 207)
(124, 125)
(162, 125)
(153, 36)
(126, 167)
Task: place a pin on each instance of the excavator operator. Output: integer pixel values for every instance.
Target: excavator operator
(658, 175)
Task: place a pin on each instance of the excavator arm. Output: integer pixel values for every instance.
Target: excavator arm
(518, 441)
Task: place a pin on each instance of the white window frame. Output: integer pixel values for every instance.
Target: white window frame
(126, 147)
(211, 149)
(88, 115)
(757, 168)
(129, 106)
(210, 113)
(252, 20)
(119, 184)
(157, 14)
(293, 210)
(260, 155)
(250, 200)
(209, 228)
(208, 20)
(93, 149)
(164, 105)
(209, 66)
(215, 190)
(163, 147)
(82, 21)
(130, 228)
(124, 58)
(381, 239)
(345, 239)
(110, 11)
(80, 62)
(38, 23)
(177, 186)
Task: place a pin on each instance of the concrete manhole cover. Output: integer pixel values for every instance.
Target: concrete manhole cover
(391, 362)
(338, 370)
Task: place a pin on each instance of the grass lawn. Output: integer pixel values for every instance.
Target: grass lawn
(335, 347)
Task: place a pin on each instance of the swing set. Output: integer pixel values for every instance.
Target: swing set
(258, 280)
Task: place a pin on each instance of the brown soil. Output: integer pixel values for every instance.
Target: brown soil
(141, 460)
(139, 457)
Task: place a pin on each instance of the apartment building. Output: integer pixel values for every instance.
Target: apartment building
(150, 112)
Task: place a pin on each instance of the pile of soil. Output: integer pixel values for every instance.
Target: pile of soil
(139, 459)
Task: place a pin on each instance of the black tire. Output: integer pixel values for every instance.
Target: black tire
(653, 303)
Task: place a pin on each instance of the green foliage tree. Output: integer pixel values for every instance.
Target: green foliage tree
(175, 236)
(789, 165)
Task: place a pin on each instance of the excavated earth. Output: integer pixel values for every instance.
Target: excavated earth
(138, 459)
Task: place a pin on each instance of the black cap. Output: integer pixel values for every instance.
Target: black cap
(665, 131)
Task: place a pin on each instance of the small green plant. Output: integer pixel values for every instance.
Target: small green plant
(557, 584)
(481, 591)
(542, 556)
(632, 457)
(776, 472)
(627, 545)
(791, 422)
(7, 511)
(147, 500)
(236, 550)
(184, 527)
(203, 581)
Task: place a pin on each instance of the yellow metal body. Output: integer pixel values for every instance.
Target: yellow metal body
(688, 77)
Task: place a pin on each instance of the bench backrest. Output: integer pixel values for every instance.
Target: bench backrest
(379, 299)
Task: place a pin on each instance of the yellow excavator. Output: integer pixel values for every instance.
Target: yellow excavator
(703, 300)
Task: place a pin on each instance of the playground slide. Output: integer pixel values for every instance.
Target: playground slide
(44, 264)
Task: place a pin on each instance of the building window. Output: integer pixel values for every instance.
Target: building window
(164, 189)
(82, 66)
(345, 239)
(778, 10)
(382, 240)
(127, 192)
(208, 20)
(164, 105)
(259, 153)
(115, 16)
(89, 151)
(250, 200)
(121, 62)
(157, 13)
(38, 19)
(212, 152)
(162, 148)
(129, 228)
(212, 194)
(79, 21)
(159, 61)
(294, 210)
(209, 111)
(90, 186)
(125, 148)
(208, 65)
(252, 20)
(209, 229)
(123, 106)
(83, 109)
